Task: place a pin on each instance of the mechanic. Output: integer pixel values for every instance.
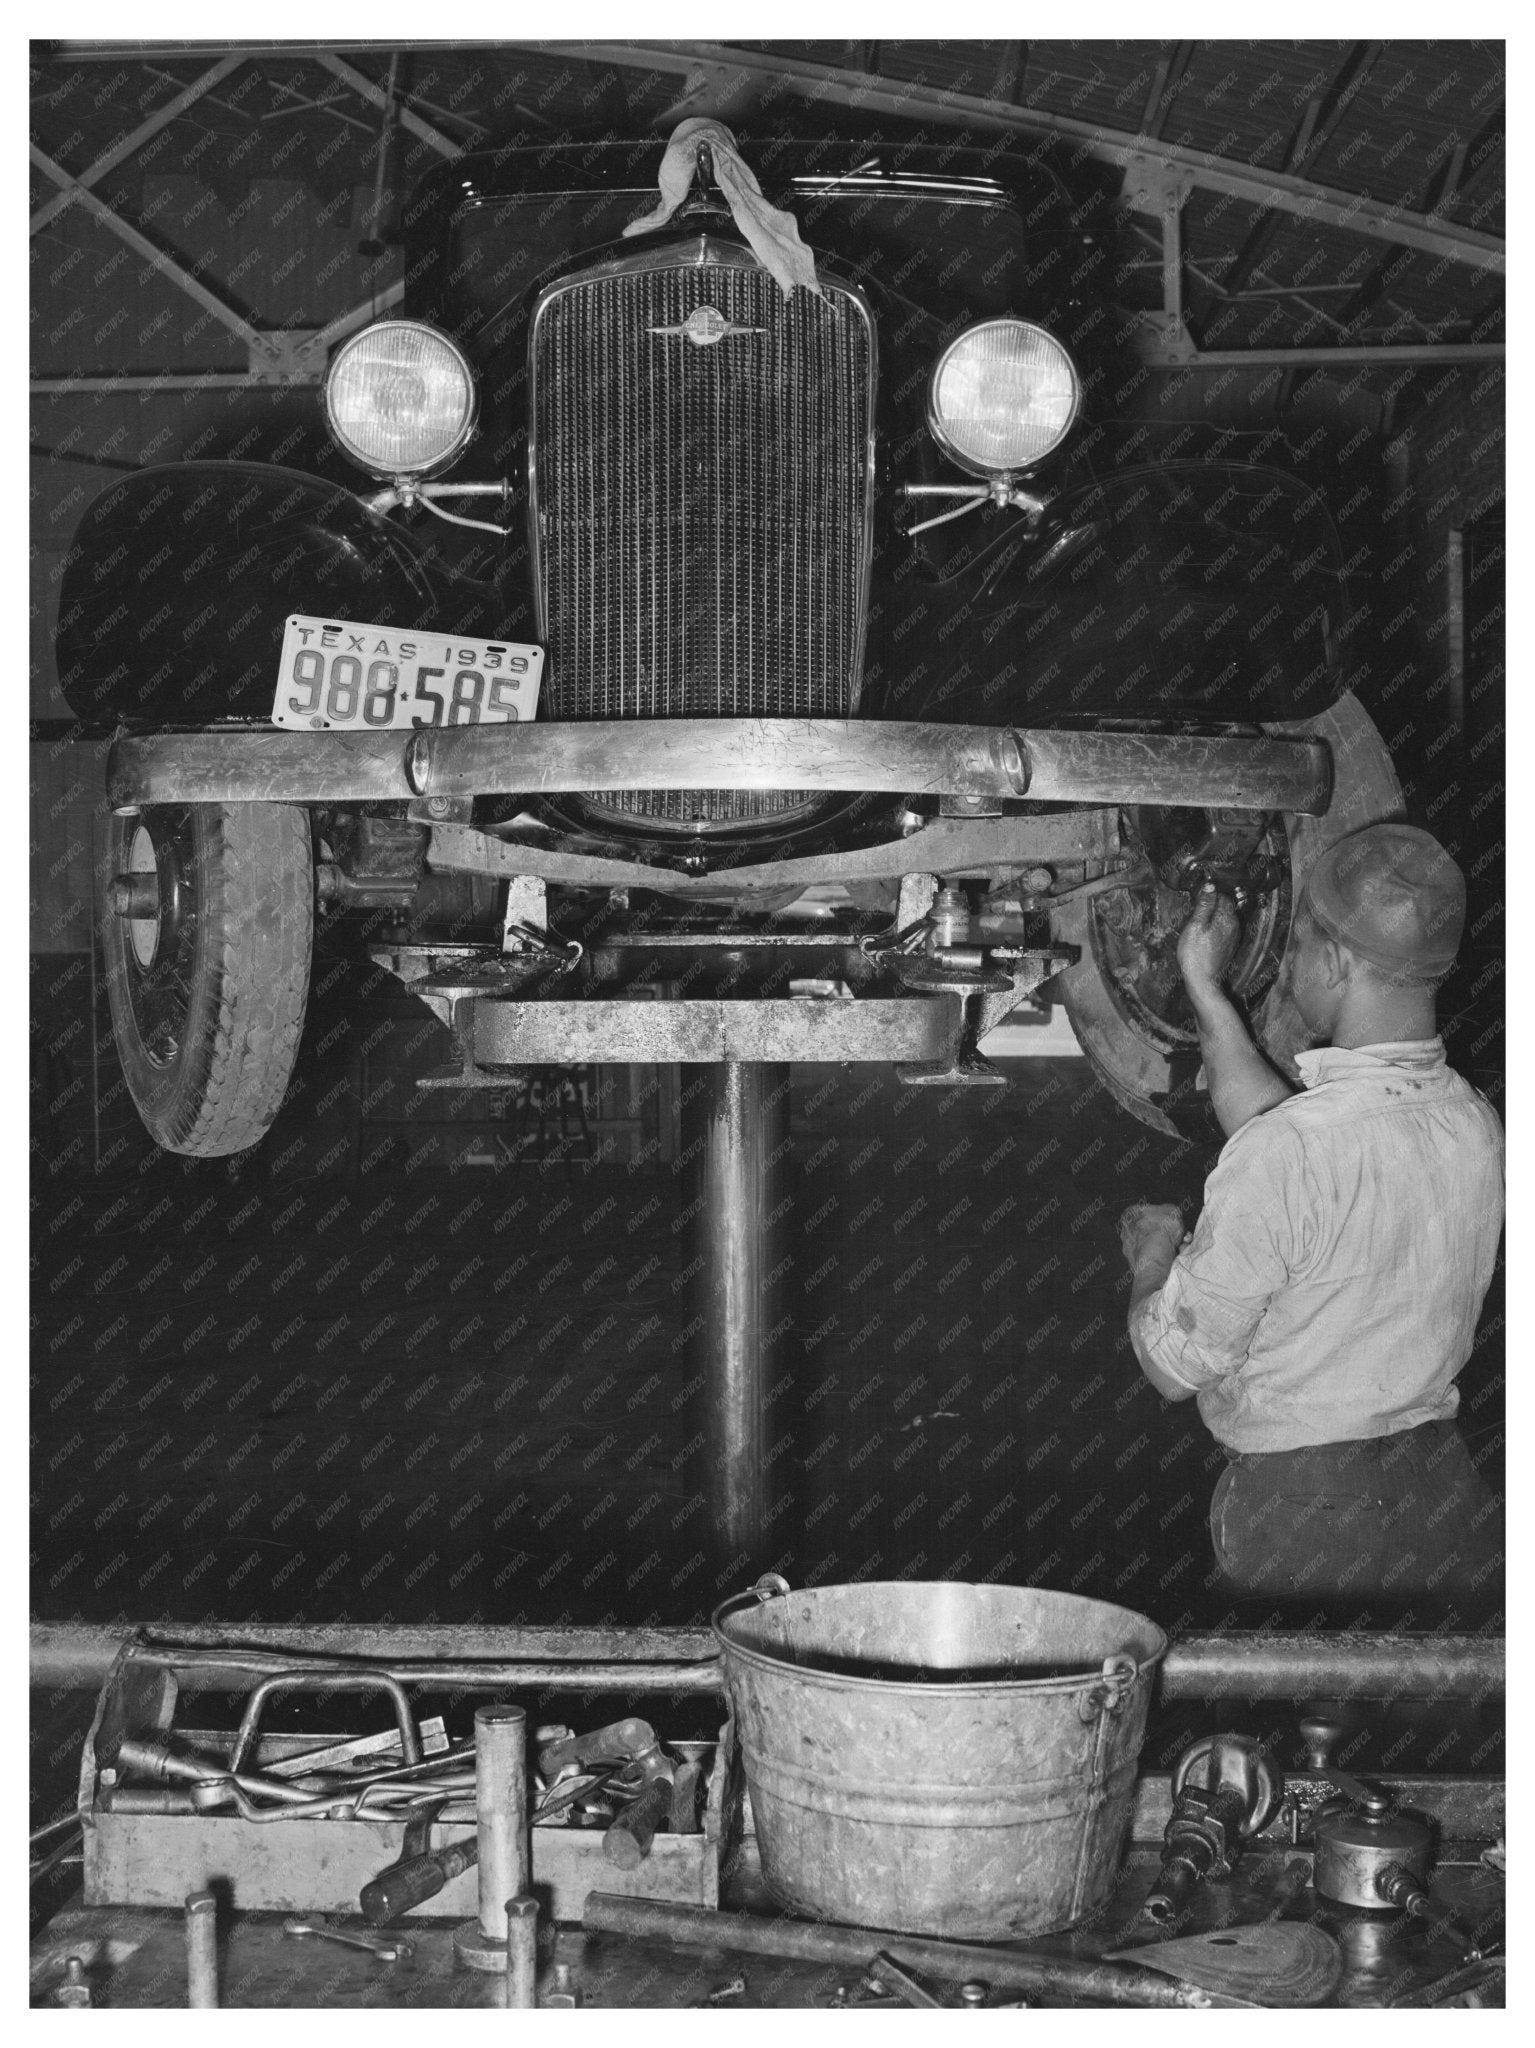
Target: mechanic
(1328, 1295)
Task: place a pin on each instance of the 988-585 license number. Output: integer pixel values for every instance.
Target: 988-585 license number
(338, 676)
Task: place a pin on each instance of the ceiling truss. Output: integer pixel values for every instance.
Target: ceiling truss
(276, 356)
(1284, 192)
(1159, 178)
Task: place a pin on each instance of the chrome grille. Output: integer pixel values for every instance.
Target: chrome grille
(702, 511)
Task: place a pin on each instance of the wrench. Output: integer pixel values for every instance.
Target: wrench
(387, 1948)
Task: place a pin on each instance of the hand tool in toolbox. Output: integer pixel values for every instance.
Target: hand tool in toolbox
(171, 1805)
(308, 1783)
(211, 1783)
(363, 1752)
(577, 1800)
(657, 1790)
(1224, 1790)
(326, 1679)
(420, 1873)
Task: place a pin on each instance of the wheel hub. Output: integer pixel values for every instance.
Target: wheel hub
(157, 954)
(144, 932)
(1134, 931)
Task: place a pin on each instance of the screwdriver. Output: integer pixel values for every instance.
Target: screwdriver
(403, 1885)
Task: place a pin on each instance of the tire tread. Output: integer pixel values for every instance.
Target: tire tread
(256, 913)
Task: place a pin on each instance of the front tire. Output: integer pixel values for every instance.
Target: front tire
(208, 977)
(1152, 1066)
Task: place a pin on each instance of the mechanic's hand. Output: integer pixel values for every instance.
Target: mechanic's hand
(1151, 1231)
(1208, 940)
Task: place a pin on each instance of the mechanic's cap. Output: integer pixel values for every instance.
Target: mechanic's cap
(1391, 894)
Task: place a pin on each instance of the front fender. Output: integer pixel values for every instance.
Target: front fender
(1186, 591)
(179, 578)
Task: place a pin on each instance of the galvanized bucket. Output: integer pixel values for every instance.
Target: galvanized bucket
(938, 1758)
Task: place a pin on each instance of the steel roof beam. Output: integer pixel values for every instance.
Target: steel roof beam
(89, 51)
(1465, 166)
(302, 104)
(359, 316)
(1438, 193)
(177, 380)
(1384, 356)
(305, 366)
(167, 265)
(1447, 183)
(1217, 290)
(122, 150)
(1283, 191)
(1165, 84)
(1479, 153)
(1310, 140)
(380, 98)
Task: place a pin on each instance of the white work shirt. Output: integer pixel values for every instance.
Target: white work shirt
(1333, 1281)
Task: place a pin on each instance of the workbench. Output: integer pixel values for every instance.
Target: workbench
(136, 1956)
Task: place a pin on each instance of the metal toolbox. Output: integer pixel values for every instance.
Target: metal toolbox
(314, 1864)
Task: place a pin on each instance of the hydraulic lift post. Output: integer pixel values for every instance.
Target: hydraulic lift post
(735, 1127)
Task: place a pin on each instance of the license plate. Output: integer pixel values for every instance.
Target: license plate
(338, 676)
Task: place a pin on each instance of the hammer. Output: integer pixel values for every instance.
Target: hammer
(618, 1742)
(647, 1769)
(627, 1841)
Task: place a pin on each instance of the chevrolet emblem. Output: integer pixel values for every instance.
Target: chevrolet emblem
(706, 325)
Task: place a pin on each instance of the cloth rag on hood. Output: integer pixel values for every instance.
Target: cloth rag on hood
(772, 233)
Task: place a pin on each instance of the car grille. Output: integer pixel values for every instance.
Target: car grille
(702, 511)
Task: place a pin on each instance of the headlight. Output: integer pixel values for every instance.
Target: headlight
(399, 399)
(1002, 397)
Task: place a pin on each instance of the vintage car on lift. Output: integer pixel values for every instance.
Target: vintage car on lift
(812, 672)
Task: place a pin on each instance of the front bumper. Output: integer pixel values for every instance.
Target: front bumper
(986, 764)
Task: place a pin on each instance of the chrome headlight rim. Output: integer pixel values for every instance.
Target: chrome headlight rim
(975, 465)
(354, 452)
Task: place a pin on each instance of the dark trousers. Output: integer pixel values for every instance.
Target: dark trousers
(1382, 1524)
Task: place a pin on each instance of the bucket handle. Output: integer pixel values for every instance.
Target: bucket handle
(1108, 1696)
(771, 1586)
